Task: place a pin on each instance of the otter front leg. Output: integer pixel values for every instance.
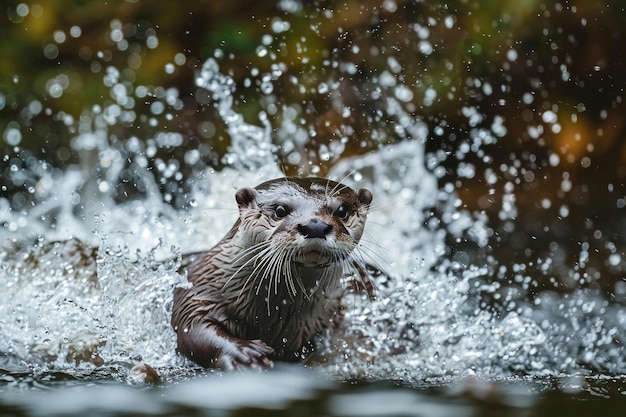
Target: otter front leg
(211, 346)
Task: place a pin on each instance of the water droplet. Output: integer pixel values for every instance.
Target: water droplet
(425, 47)
(12, 137)
(615, 259)
(75, 31)
(261, 51)
(59, 36)
(403, 93)
(22, 10)
(152, 42)
(549, 117)
(449, 21)
(50, 51)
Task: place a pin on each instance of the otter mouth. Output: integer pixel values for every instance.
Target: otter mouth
(313, 258)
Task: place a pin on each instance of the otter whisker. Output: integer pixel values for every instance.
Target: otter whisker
(265, 266)
(268, 275)
(258, 260)
(254, 249)
(277, 275)
(286, 269)
(368, 244)
(298, 280)
(345, 177)
(259, 248)
(291, 288)
(273, 273)
(271, 269)
(281, 265)
(373, 253)
(251, 257)
(338, 187)
(359, 256)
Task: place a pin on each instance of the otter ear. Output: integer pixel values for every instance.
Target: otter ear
(246, 197)
(364, 196)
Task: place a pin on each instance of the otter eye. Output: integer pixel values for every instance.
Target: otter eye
(342, 212)
(281, 211)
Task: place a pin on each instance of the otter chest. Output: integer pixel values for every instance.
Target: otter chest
(286, 324)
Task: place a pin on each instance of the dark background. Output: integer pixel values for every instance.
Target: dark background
(515, 64)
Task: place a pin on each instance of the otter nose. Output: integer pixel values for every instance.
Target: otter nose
(315, 228)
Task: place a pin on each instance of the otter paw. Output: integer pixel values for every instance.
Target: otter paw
(247, 354)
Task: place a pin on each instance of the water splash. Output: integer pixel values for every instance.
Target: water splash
(251, 146)
(67, 304)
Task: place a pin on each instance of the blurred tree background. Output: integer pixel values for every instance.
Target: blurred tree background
(523, 101)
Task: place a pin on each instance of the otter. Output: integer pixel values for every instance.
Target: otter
(275, 281)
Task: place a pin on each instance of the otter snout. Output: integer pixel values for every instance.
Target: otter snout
(315, 228)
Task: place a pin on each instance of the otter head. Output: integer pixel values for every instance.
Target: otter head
(307, 222)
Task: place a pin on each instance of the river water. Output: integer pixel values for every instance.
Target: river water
(87, 291)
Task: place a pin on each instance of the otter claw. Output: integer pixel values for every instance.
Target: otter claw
(251, 354)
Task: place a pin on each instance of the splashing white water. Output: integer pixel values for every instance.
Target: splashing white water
(67, 306)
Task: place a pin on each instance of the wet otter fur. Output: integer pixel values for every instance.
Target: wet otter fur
(274, 281)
